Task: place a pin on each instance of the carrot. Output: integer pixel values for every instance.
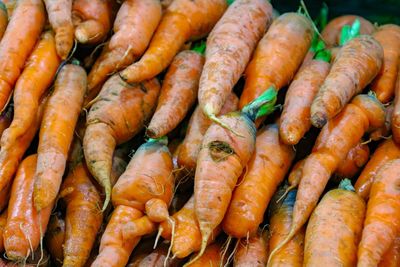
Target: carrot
(197, 127)
(385, 131)
(133, 27)
(386, 152)
(56, 133)
(383, 214)
(110, 123)
(278, 55)
(281, 210)
(3, 222)
(357, 63)
(153, 258)
(266, 169)
(391, 258)
(83, 217)
(211, 257)
(295, 118)
(6, 118)
(222, 158)
(337, 220)
(55, 236)
(253, 252)
(384, 83)
(25, 226)
(357, 157)
(34, 80)
(178, 93)
(3, 19)
(395, 120)
(18, 41)
(60, 18)
(92, 20)
(229, 48)
(182, 21)
(334, 142)
(331, 33)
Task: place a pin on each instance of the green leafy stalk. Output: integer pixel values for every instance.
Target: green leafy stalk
(323, 55)
(345, 184)
(199, 47)
(163, 140)
(262, 105)
(322, 18)
(349, 32)
(230, 2)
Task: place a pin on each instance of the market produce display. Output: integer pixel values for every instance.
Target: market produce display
(197, 133)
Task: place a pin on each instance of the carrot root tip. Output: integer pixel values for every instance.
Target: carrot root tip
(281, 245)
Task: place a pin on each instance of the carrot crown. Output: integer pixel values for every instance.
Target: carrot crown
(345, 184)
(349, 32)
(162, 140)
(199, 47)
(75, 61)
(262, 105)
(230, 2)
(321, 53)
(3, 7)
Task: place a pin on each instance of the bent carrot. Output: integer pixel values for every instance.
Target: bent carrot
(266, 169)
(382, 220)
(3, 222)
(133, 27)
(229, 48)
(253, 252)
(54, 238)
(337, 220)
(395, 120)
(56, 133)
(110, 123)
(392, 256)
(25, 226)
(278, 55)
(357, 157)
(357, 63)
(3, 19)
(60, 18)
(178, 93)
(183, 20)
(22, 32)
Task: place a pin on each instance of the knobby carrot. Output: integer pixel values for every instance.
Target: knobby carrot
(395, 120)
(198, 126)
(229, 48)
(25, 226)
(392, 256)
(384, 84)
(56, 133)
(357, 157)
(18, 41)
(110, 123)
(357, 63)
(386, 152)
(382, 220)
(60, 18)
(253, 252)
(337, 220)
(212, 257)
(35, 79)
(55, 236)
(278, 55)
(3, 222)
(281, 211)
(3, 19)
(266, 169)
(134, 26)
(183, 20)
(178, 93)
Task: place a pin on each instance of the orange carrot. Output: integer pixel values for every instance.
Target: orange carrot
(24, 29)
(392, 256)
(395, 121)
(133, 27)
(337, 220)
(83, 217)
(357, 63)
(278, 55)
(266, 169)
(60, 18)
(183, 20)
(25, 226)
(253, 252)
(386, 152)
(385, 131)
(382, 220)
(5, 119)
(198, 126)
(384, 84)
(55, 236)
(3, 222)
(153, 258)
(56, 133)
(35, 79)
(295, 118)
(357, 157)
(109, 123)
(211, 257)
(3, 19)
(178, 93)
(229, 48)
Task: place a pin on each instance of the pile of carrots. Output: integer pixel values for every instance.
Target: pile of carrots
(197, 133)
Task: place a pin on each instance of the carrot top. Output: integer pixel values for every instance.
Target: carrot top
(345, 184)
(230, 2)
(321, 53)
(162, 140)
(262, 105)
(3, 7)
(199, 47)
(349, 32)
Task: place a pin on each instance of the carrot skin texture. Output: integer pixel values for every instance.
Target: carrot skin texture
(295, 118)
(55, 236)
(384, 83)
(178, 93)
(392, 256)
(395, 120)
(3, 223)
(21, 35)
(3, 21)
(357, 157)
(337, 220)
(387, 151)
(357, 63)
(24, 224)
(382, 222)
(266, 169)
(229, 48)
(83, 217)
(6, 119)
(33, 82)
(56, 133)
(183, 20)
(211, 257)
(133, 28)
(252, 253)
(60, 18)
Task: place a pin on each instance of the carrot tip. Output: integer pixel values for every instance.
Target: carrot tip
(280, 246)
(204, 241)
(107, 189)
